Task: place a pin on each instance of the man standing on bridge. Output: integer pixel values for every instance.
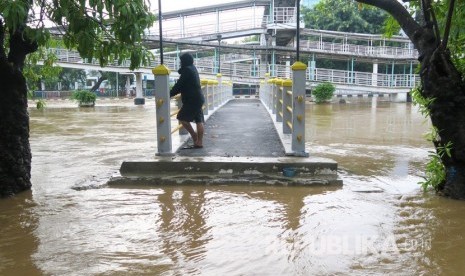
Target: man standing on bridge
(192, 98)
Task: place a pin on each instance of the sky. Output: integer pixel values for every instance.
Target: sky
(198, 22)
(171, 5)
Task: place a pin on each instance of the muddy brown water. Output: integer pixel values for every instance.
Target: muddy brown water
(379, 222)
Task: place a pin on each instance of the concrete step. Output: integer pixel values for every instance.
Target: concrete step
(181, 170)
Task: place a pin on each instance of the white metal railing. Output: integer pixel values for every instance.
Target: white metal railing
(361, 50)
(198, 28)
(285, 15)
(252, 71)
(285, 101)
(208, 25)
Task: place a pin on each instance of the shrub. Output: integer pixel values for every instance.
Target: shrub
(84, 97)
(323, 92)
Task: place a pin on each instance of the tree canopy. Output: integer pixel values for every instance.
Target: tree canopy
(344, 16)
(106, 30)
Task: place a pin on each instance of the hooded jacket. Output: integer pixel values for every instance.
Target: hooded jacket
(188, 83)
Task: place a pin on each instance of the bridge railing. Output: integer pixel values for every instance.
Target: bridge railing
(285, 101)
(361, 50)
(175, 28)
(248, 72)
(363, 78)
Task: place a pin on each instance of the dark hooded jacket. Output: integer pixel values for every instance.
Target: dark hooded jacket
(188, 83)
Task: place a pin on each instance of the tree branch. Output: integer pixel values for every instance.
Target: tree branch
(2, 40)
(400, 14)
(434, 22)
(20, 47)
(425, 10)
(448, 23)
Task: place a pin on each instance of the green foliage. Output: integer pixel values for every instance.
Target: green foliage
(420, 101)
(253, 38)
(344, 16)
(68, 77)
(435, 173)
(456, 43)
(109, 30)
(47, 71)
(41, 104)
(323, 92)
(391, 27)
(84, 96)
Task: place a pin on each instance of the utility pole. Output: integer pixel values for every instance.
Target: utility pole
(218, 36)
(160, 29)
(298, 31)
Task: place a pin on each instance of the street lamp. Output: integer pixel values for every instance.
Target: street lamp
(160, 29)
(298, 30)
(218, 36)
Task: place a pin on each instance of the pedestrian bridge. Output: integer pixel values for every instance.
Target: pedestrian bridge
(255, 140)
(347, 82)
(263, 137)
(204, 31)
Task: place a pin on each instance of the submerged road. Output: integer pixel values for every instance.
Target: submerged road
(241, 128)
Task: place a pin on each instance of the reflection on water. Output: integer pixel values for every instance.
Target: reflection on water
(380, 222)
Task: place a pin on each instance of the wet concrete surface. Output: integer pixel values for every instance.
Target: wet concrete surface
(241, 145)
(242, 127)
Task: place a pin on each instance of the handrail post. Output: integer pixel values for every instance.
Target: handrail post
(214, 91)
(279, 100)
(298, 108)
(287, 101)
(162, 106)
(231, 88)
(204, 85)
(210, 95)
(218, 93)
(220, 88)
(273, 95)
(261, 91)
(269, 94)
(265, 89)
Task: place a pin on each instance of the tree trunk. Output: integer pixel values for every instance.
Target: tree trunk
(15, 151)
(442, 81)
(102, 78)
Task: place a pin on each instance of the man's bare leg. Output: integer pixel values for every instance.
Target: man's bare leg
(200, 131)
(187, 126)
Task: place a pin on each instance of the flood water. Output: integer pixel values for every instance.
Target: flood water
(379, 222)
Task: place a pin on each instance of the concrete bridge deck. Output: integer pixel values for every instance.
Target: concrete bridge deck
(241, 128)
(241, 146)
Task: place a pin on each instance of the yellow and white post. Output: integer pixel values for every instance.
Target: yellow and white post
(204, 84)
(162, 106)
(287, 106)
(219, 79)
(264, 89)
(298, 108)
(212, 87)
(279, 100)
(274, 93)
